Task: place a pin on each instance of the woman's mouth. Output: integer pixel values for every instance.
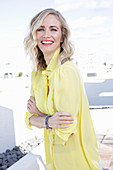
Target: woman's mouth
(47, 42)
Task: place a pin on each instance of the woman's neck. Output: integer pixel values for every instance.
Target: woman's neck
(48, 57)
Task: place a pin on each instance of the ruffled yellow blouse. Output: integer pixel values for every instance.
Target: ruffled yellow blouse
(60, 88)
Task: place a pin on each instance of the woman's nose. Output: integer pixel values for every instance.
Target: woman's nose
(46, 33)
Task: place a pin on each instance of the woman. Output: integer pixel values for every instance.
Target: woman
(58, 101)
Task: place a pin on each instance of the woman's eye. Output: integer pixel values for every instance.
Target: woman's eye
(53, 29)
(40, 29)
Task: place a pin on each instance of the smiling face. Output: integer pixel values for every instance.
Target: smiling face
(49, 35)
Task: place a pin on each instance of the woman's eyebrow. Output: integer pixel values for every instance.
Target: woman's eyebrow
(54, 26)
(42, 26)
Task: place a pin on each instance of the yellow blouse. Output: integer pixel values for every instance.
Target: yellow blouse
(60, 88)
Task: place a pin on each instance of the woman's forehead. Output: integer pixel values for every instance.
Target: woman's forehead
(51, 18)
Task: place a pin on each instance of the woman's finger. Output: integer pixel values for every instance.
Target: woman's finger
(66, 122)
(29, 105)
(28, 108)
(32, 99)
(64, 114)
(30, 102)
(66, 118)
(62, 126)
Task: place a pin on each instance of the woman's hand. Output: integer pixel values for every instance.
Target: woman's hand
(32, 108)
(60, 120)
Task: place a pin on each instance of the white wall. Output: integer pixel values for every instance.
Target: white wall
(7, 132)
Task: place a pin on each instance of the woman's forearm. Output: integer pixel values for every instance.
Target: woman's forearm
(37, 121)
(58, 120)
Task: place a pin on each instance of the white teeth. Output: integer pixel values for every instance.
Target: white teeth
(47, 42)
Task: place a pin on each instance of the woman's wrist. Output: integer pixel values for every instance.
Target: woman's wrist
(49, 121)
(47, 118)
(37, 121)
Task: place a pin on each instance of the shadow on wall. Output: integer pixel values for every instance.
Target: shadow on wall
(7, 132)
(100, 93)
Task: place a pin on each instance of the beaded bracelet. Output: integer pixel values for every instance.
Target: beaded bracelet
(46, 120)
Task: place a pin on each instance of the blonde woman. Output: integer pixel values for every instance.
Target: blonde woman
(58, 101)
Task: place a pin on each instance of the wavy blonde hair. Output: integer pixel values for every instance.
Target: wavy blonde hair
(32, 48)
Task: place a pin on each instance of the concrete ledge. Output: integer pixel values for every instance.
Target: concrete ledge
(33, 160)
(7, 132)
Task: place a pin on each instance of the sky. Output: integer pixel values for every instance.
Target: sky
(90, 21)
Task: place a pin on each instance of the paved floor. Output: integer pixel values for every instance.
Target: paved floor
(102, 120)
(105, 144)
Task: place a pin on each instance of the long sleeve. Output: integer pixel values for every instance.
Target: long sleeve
(67, 98)
(28, 114)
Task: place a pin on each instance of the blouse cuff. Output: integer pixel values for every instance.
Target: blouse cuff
(62, 135)
(27, 119)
